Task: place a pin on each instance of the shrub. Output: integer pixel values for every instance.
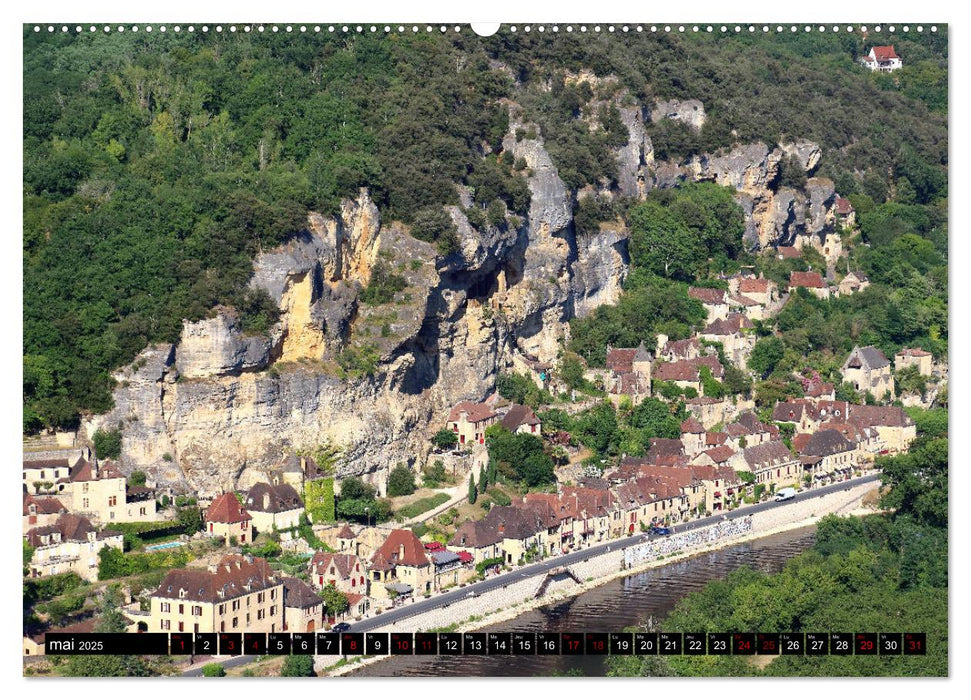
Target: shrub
(298, 666)
(445, 439)
(401, 481)
(216, 670)
(107, 443)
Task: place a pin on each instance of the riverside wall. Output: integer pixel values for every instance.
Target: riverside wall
(520, 595)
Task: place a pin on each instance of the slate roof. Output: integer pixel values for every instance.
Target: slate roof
(792, 411)
(297, 594)
(71, 527)
(866, 357)
(519, 415)
(768, 454)
(827, 442)
(270, 498)
(728, 326)
(883, 416)
(235, 575)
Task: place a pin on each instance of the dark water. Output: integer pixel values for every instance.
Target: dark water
(608, 608)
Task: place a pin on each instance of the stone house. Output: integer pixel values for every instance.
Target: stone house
(845, 213)
(227, 518)
(883, 59)
(772, 464)
(41, 475)
(237, 594)
(673, 350)
(693, 436)
(734, 335)
(715, 301)
(346, 571)
(708, 410)
(914, 357)
(71, 543)
(811, 281)
(828, 455)
(522, 419)
(40, 512)
(748, 430)
(469, 421)
(273, 507)
(895, 429)
(687, 373)
(303, 609)
(478, 539)
(758, 289)
(400, 566)
(853, 282)
(803, 414)
(868, 370)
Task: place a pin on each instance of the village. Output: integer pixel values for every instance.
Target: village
(264, 559)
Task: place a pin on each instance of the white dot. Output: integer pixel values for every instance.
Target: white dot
(512, 29)
(106, 29)
(877, 28)
(808, 28)
(625, 28)
(289, 28)
(667, 28)
(724, 28)
(765, 28)
(681, 29)
(849, 29)
(276, 28)
(569, 29)
(246, 29)
(737, 29)
(863, 28)
(134, 28)
(792, 28)
(526, 29)
(836, 29)
(232, 28)
(177, 28)
(219, 28)
(694, 28)
(779, 28)
(162, 28)
(822, 28)
(37, 29)
(92, 29)
(610, 28)
(906, 28)
(708, 29)
(443, 29)
(934, 28)
(891, 29)
(583, 29)
(303, 28)
(458, 29)
(920, 28)
(191, 28)
(120, 28)
(63, 29)
(359, 29)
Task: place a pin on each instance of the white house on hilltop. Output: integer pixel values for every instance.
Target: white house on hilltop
(882, 58)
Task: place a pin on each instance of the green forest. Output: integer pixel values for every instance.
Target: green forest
(884, 573)
(157, 166)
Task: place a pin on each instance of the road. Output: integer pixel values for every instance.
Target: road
(392, 617)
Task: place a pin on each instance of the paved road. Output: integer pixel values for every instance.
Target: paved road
(455, 596)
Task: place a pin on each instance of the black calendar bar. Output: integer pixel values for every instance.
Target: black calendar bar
(493, 643)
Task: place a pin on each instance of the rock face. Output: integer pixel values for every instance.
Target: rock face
(689, 112)
(377, 378)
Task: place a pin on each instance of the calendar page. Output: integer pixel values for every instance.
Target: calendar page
(533, 349)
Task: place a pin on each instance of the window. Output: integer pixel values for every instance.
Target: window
(273, 594)
(181, 609)
(222, 609)
(222, 626)
(166, 607)
(196, 609)
(181, 626)
(272, 610)
(141, 511)
(259, 614)
(112, 500)
(84, 488)
(84, 503)
(166, 625)
(235, 622)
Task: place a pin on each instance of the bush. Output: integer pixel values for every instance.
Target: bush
(107, 443)
(383, 285)
(298, 666)
(445, 439)
(401, 481)
(318, 499)
(216, 670)
(499, 497)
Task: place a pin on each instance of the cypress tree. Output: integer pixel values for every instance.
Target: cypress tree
(473, 491)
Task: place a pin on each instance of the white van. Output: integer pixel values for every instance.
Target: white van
(785, 494)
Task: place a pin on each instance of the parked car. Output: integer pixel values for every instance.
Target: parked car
(785, 494)
(657, 530)
(340, 627)
(472, 594)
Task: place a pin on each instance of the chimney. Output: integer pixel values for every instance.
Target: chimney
(401, 552)
(212, 568)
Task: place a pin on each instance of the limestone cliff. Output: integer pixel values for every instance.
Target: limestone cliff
(377, 379)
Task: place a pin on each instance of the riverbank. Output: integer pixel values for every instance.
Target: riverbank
(511, 602)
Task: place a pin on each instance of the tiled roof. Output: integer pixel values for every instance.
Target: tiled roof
(884, 53)
(477, 412)
(620, 359)
(812, 280)
(753, 285)
(71, 527)
(715, 438)
(843, 206)
(873, 416)
(720, 454)
(226, 508)
(346, 533)
(234, 575)
(913, 352)
(402, 547)
(706, 295)
(42, 506)
(692, 425)
(343, 564)
(787, 251)
(792, 411)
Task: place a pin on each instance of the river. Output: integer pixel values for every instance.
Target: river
(607, 608)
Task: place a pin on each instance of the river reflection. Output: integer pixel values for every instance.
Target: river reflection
(608, 608)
